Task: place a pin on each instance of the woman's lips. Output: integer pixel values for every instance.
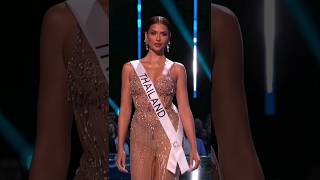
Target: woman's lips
(157, 44)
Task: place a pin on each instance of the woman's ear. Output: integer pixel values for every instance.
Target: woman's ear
(146, 35)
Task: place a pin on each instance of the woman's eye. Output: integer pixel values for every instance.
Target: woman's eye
(164, 34)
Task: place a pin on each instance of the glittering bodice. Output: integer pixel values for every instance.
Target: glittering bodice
(165, 86)
(88, 92)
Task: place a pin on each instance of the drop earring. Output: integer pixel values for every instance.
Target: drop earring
(146, 42)
(168, 47)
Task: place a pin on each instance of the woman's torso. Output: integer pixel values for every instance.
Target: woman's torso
(144, 116)
(88, 92)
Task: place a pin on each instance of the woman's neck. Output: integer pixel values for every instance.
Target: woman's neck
(153, 57)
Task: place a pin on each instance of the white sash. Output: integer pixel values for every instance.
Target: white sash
(177, 155)
(95, 25)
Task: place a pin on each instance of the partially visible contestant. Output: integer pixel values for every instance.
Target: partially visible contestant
(237, 156)
(156, 152)
(72, 83)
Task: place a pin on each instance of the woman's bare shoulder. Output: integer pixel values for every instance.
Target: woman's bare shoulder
(127, 68)
(178, 69)
(59, 16)
(219, 11)
(225, 26)
(223, 17)
(178, 65)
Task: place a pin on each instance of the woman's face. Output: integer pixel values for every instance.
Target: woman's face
(158, 37)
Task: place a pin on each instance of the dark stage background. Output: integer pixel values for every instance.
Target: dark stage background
(287, 143)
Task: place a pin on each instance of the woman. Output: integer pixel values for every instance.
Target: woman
(69, 71)
(149, 144)
(237, 155)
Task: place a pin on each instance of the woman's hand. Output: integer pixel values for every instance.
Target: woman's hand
(121, 161)
(194, 160)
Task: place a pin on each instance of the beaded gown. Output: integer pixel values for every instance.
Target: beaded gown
(149, 144)
(88, 93)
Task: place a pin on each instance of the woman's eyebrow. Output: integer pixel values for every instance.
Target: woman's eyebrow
(158, 31)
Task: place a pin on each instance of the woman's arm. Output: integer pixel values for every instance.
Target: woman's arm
(125, 106)
(124, 117)
(52, 149)
(185, 112)
(237, 155)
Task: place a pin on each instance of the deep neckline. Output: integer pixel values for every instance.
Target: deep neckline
(159, 75)
(167, 76)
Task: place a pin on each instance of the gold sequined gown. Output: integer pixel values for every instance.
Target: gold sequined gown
(149, 145)
(88, 93)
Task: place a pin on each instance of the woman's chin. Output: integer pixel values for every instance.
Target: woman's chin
(158, 50)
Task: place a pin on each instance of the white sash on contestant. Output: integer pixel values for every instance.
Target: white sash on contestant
(177, 155)
(94, 23)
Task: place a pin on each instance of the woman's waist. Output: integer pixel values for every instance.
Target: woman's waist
(149, 109)
(150, 118)
(149, 113)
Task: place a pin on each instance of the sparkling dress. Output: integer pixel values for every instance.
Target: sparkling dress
(88, 93)
(149, 144)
